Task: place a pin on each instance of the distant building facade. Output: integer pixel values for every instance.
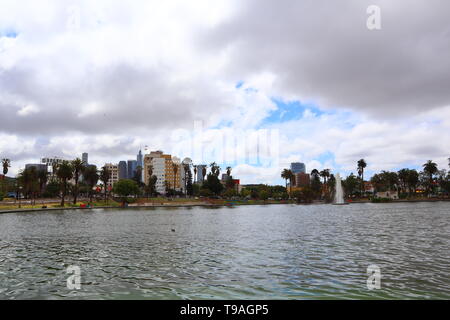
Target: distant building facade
(298, 167)
(302, 180)
(37, 166)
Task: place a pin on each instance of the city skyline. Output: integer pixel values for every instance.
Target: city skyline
(72, 95)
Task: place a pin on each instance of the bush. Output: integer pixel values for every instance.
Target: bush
(2, 195)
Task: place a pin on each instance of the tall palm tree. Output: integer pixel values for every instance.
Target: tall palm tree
(361, 166)
(91, 177)
(64, 173)
(215, 169)
(430, 168)
(6, 164)
(187, 169)
(229, 172)
(78, 167)
(195, 173)
(105, 175)
(285, 175)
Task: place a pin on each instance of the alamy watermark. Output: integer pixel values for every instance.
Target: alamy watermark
(374, 20)
(374, 279)
(74, 280)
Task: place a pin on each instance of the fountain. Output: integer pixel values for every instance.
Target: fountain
(339, 193)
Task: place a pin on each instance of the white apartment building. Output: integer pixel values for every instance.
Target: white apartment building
(164, 170)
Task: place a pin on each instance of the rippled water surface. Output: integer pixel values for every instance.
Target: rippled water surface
(246, 252)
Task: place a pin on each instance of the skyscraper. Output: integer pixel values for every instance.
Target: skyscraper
(132, 165)
(140, 163)
(123, 170)
(84, 158)
(297, 167)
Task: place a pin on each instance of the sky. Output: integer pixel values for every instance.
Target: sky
(252, 84)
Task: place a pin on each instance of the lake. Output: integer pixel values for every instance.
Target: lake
(243, 252)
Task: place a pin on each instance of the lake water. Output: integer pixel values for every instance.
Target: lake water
(246, 252)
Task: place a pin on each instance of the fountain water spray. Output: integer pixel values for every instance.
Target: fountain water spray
(339, 193)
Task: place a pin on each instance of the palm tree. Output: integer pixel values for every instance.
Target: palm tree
(64, 173)
(285, 175)
(430, 168)
(229, 172)
(195, 172)
(78, 167)
(215, 169)
(91, 177)
(105, 175)
(361, 166)
(6, 164)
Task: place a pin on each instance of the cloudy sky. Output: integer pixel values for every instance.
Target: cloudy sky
(254, 84)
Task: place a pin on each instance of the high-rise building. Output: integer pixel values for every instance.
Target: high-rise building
(140, 163)
(200, 172)
(123, 170)
(297, 167)
(166, 170)
(84, 158)
(132, 165)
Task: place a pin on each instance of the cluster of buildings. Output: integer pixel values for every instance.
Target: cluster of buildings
(169, 170)
(302, 179)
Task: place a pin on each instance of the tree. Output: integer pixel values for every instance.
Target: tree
(285, 175)
(125, 188)
(138, 176)
(412, 181)
(361, 166)
(316, 184)
(430, 168)
(28, 180)
(213, 184)
(229, 172)
(263, 195)
(151, 187)
(105, 175)
(215, 169)
(64, 173)
(195, 172)
(189, 189)
(42, 176)
(78, 167)
(350, 184)
(91, 177)
(6, 163)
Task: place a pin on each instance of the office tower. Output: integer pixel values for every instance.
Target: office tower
(123, 170)
(132, 165)
(297, 167)
(84, 158)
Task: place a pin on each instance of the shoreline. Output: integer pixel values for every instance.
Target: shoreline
(202, 204)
